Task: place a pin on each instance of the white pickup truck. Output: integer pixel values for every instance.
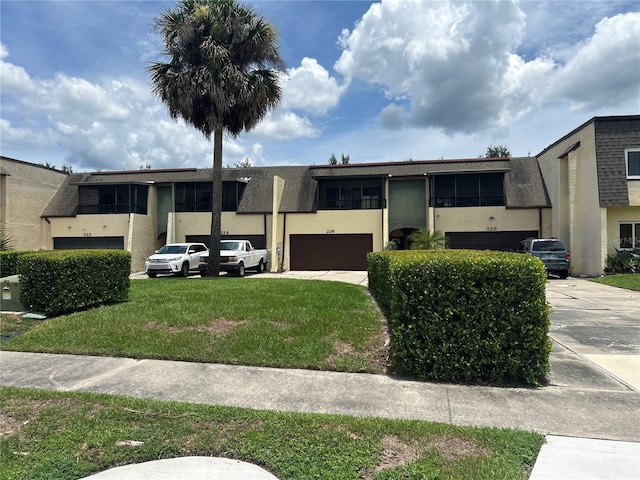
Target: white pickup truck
(236, 256)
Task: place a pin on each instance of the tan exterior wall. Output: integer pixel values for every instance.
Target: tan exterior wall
(115, 225)
(140, 240)
(560, 175)
(572, 183)
(199, 223)
(482, 219)
(633, 186)
(546, 229)
(26, 192)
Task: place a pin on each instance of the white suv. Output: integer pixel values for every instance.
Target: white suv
(175, 258)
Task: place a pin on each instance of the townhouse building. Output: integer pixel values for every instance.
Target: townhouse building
(309, 217)
(592, 175)
(584, 188)
(25, 191)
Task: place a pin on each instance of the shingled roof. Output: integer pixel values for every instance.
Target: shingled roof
(524, 187)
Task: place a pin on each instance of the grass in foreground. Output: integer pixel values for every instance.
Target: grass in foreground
(71, 435)
(266, 322)
(630, 281)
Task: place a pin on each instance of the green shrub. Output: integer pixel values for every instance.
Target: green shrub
(9, 261)
(466, 316)
(624, 261)
(62, 281)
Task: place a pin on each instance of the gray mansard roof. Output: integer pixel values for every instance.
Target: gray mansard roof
(524, 187)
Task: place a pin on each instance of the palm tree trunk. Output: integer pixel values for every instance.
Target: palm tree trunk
(216, 205)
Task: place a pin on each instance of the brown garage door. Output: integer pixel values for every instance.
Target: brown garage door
(504, 241)
(330, 252)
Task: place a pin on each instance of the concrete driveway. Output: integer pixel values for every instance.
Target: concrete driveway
(595, 330)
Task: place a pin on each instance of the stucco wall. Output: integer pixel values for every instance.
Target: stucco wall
(140, 240)
(27, 190)
(199, 223)
(115, 225)
(633, 186)
(478, 219)
(572, 184)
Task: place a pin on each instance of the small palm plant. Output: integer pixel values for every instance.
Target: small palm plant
(426, 240)
(5, 238)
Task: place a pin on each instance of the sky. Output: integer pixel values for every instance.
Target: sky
(392, 80)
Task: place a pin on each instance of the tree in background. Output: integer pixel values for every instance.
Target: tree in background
(334, 161)
(498, 151)
(222, 74)
(245, 163)
(424, 240)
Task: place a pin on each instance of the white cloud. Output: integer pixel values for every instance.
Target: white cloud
(448, 57)
(605, 70)
(284, 125)
(310, 88)
(456, 64)
(14, 79)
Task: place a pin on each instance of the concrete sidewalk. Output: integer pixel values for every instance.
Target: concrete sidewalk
(558, 411)
(589, 414)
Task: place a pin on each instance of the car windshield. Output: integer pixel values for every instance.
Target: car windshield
(230, 246)
(548, 246)
(173, 249)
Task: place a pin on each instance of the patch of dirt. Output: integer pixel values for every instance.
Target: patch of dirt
(9, 425)
(342, 348)
(398, 452)
(14, 415)
(452, 448)
(218, 326)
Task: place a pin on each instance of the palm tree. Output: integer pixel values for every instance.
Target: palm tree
(425, 240)
(222, 74)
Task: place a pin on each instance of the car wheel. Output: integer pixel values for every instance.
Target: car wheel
(152, 275)
(260, 267)
(203, 273)
(184, 271)
(563, 274)
(241, 270)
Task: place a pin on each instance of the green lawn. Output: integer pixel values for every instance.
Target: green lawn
(630, 281)
(266, 322)
(48, 435)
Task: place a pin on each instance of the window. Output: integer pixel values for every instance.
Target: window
(231, 195)
(629, 235)
(633, 164)
(193, 197)
(349, 194)
(113, 199)
(467, 190)
(197, 197)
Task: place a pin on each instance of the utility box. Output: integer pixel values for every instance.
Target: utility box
(10, 300)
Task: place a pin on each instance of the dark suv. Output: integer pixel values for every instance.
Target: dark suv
(551, 251)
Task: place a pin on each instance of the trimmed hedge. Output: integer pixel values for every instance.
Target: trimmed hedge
(465, 315)
(55, 282)
(9, 261)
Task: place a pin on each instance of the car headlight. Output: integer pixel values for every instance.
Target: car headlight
(174, 259)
